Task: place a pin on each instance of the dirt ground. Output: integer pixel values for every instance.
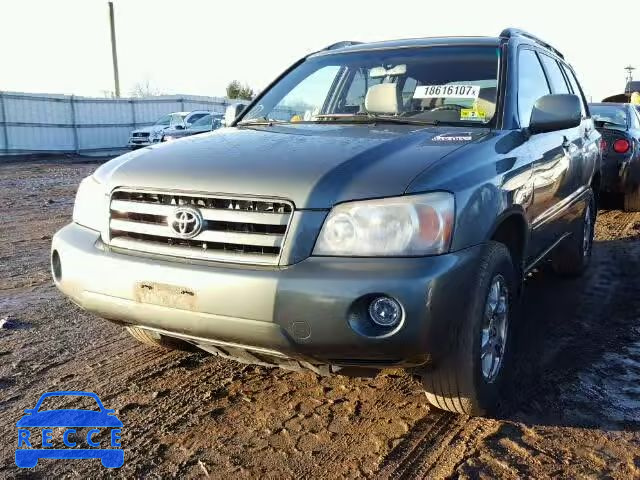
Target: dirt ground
(574, 410)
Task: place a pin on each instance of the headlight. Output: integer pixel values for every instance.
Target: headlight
(401, 226)
(90, 209)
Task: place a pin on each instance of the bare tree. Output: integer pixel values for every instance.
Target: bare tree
(144, 89)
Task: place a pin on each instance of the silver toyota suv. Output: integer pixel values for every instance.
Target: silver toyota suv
(378, 205)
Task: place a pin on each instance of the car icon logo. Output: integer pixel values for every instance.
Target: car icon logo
(32, 447)
(186, 221)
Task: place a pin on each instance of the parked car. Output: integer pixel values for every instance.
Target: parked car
(209, 122)
(389, 222)
(619, 124)
(145, 136)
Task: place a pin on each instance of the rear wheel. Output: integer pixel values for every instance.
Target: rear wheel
(155, 339)
(632, 201)
(572, 256)
(469, 379)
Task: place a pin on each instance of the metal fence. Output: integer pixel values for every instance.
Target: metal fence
(47, 123)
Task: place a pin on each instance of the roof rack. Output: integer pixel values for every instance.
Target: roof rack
(345, 43)
(512, 32)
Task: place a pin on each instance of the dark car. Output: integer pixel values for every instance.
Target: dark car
(378, 205)
(619, 124)
(209, 122)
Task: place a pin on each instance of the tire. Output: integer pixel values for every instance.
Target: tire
(457, 383)
(156, 340)
(571, 258)
(632, 201)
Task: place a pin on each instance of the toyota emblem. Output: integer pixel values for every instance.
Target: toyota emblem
(186, 222)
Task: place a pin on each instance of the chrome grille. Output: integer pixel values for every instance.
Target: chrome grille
(234, 229)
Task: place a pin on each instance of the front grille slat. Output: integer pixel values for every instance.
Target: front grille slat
(236, 238)
(189, 252)
(236, 230)
(222, 215)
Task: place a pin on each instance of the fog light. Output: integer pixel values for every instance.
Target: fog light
(56, 266)
(385, 311)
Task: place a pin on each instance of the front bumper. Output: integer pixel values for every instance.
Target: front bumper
(139, 142)
(308, 311)
(620, 173)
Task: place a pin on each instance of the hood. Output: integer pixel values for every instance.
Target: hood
(69, 418)
(151, 129)
(185, 132)
(315, 166)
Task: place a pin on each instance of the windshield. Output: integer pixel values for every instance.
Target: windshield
(166, 120)
(435, 84)
(611, 114)
(202, 121)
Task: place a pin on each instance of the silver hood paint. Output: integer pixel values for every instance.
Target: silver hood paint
(315, 166)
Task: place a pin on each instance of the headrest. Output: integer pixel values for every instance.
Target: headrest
(382, 98)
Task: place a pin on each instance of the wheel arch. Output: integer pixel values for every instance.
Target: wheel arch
(511, 228)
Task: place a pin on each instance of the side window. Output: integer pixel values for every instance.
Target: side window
(357, 90)
(195, 117)
(532, 84)
(354, 99)
(308, 97)
(558, 83)
(575, 88)
(408, 90)
(635, 119)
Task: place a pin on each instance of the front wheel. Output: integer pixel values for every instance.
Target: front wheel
(154, 339)
(470, 378)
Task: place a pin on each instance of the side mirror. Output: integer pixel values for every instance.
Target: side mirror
(179, 127)
(555, 112)
(232, 112)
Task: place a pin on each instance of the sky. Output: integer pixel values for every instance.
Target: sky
(197, 47)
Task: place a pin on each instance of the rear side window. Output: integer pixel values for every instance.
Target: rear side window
(576, 89)
(635, 118)
(611, 113)
(532, 84)
(558, 83)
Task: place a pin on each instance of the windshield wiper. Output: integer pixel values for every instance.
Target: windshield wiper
(259, 121)
(364, 118)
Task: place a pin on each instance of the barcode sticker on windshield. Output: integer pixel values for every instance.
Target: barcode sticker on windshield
(447, 91)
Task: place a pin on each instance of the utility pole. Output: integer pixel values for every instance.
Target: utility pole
(629, 70)
(114, 50)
